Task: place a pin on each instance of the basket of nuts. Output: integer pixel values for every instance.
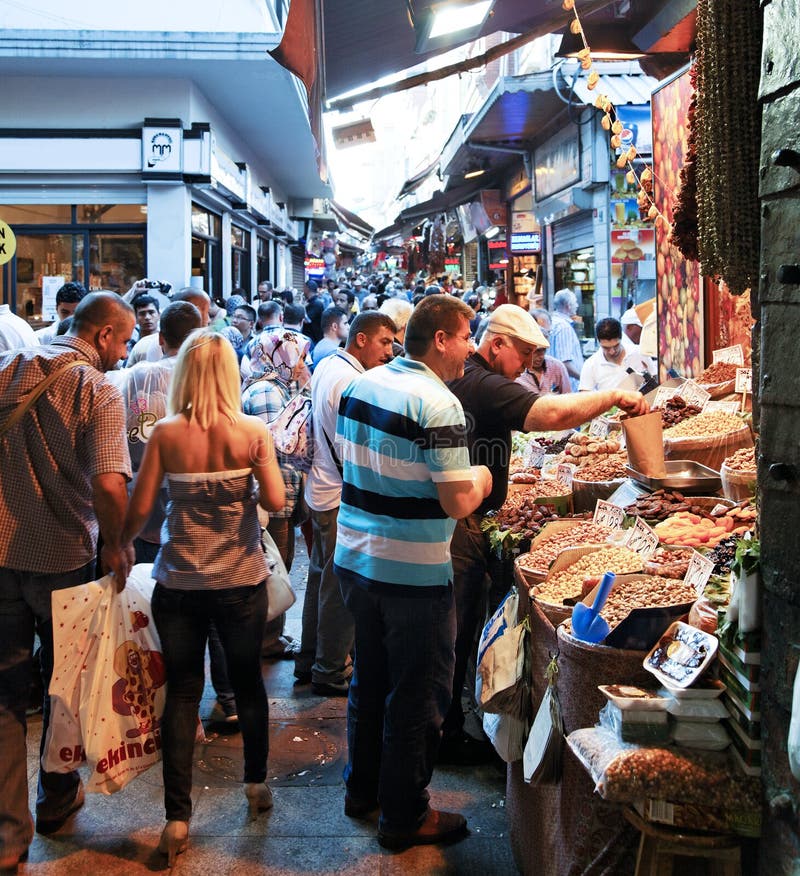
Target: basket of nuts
(708, 438)
(555, 537)
(738, 474)
(719, 379)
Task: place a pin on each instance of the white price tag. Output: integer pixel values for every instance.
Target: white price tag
(608, 514)
(744, 380)
(698, 573)
(598, 428)
(725, 407)
(718, 509)
(642, 539)
(663, 395)
(564, 474)
(733, 355)
(694, 394)
(534, 455)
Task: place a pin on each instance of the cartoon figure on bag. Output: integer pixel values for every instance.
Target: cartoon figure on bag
(141, 674)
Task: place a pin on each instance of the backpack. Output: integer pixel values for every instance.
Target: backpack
(291, 432)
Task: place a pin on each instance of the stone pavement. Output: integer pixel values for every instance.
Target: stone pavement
(305, 833)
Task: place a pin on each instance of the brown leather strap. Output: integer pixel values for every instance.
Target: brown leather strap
(31, 398)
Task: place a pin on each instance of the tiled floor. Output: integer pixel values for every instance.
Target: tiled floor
(305, 833)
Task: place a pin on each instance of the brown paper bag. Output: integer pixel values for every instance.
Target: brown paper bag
(644, 438)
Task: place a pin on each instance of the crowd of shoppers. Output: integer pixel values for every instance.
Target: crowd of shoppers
(161, 447)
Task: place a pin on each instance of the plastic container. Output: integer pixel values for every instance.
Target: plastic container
(627, 696)
(700, 735)
(707, 689)
(681, 655)
(702, 710)
(737, 485)
(642, 727)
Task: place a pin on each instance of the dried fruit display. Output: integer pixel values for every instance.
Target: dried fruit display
(719, 372)
(609, 469)
(710, 424)
(550, 546)
(669, 563)
(580, 446)
(569, 582)
(743, 461)
(676, 410)
(692, 530)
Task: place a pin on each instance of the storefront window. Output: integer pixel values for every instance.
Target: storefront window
(95, 214)
(262, 260)
(575, 270)
(206, 250)
(240, 259)
(37, 214)
(116, 261)
(44, 259)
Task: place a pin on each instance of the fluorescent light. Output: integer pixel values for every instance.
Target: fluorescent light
(491, 231)
(451, 19)
(445, 25)
(474, 172)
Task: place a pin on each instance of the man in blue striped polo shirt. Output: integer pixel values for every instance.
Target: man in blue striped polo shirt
(407, 479)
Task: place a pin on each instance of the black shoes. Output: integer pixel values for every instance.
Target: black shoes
(465, 750)
(301, 678)
(359, 808)
(330, 688)
(51, 823)
(438, 827)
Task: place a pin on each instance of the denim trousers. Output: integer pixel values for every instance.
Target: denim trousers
(25, 610)
(327, 638)
(399, 694)
(182, 619)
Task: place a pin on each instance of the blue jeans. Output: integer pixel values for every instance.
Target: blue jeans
(182, 618)
(25, 610)
(399, 694)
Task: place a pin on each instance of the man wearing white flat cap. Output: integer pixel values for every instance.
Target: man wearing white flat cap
(494, 405)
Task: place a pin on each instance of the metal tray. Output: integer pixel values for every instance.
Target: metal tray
(685, 475)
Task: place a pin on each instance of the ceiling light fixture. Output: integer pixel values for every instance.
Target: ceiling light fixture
(451, 23)
(491, 231)
(474, 170)
(606, 44)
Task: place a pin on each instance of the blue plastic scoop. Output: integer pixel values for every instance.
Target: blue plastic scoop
(587, 624)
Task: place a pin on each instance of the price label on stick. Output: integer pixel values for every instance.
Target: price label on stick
(642, 539)
(608, 514)
(744, 380)
(598, 428)
(734, 355)
(663, 395)
(694, 394)
(564, 474)
(698, 573)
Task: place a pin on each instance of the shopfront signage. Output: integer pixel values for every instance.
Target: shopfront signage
(8, 243)
(314, 267)
(526, 241)
(498, 255)
(162, 150)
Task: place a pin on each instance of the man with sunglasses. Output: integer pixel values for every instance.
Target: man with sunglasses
(494, 405)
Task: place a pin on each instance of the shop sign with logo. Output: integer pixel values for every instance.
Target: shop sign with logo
(162, 150)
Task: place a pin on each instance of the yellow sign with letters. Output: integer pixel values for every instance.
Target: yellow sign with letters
(8, 243)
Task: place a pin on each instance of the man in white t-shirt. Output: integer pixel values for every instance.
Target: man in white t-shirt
(611, 366)
(149, 349)
(327, 639)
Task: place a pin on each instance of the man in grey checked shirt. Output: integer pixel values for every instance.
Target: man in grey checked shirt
(65, 467)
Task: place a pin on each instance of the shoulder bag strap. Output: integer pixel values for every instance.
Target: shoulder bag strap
(32, 397)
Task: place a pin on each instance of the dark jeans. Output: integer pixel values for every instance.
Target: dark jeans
(25, 610)
(182, 618)
(480, 582)
(399, 694)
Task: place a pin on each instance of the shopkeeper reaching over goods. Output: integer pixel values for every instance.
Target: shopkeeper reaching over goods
(494, 405)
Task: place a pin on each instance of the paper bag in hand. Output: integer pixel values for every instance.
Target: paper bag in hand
(644, 438)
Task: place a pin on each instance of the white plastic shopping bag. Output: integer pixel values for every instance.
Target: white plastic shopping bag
(501, 659)
(107, 689)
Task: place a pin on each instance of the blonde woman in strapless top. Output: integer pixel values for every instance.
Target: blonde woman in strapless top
(219, 465)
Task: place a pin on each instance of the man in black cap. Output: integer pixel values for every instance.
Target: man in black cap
(314, 308)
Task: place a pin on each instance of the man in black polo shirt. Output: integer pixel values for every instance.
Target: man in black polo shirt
(494, 405)
(314, 308)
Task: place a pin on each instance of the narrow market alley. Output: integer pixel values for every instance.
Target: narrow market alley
(305, 833)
